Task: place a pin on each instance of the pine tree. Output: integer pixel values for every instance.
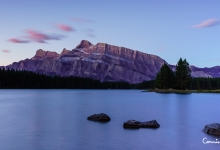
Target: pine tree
(183, 74)
(165, 77)
(209, 84)
(197, 84)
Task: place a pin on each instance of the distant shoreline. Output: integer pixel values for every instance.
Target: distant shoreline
(182, 91)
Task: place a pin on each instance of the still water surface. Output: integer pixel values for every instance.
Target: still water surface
(57, 120)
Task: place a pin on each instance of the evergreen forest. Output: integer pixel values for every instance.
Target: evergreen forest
(14, 79)
(165, 79)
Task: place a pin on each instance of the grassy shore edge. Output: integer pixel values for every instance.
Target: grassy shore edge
(181, 91)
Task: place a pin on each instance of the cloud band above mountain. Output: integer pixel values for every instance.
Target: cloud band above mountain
(41, 37)
(5, 51)
(15, 40)
(207, 23)
(65, 27)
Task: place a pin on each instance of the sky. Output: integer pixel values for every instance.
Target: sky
(169, 29)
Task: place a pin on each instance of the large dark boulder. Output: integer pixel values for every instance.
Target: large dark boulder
(138, 124)
(99, 117)
(213, 129)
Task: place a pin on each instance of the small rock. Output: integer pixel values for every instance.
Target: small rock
(138, 124)
(99, 117)
(213, 129)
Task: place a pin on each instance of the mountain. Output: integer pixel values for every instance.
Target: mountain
(213, 72)
(104, 62)
(101, 61)
(201, 72)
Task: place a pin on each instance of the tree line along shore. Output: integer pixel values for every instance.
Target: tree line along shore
(180, 80)
(16, 79)
(166, 81)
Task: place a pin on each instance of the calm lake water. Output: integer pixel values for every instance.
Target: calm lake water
(57, 120)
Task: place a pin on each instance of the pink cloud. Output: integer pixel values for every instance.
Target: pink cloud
(6, 51)
(65, 27)
(15, 40)
(82, 20)
(207, 23)
(41, 37)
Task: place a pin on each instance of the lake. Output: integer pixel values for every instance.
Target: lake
(57, 120)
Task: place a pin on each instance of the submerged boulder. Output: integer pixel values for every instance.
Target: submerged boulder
(99, 117)
(138, 124)
(213, 129)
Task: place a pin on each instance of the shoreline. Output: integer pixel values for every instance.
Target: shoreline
(181, 91)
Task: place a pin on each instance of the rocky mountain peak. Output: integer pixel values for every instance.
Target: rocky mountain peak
(40, 54)
(65, 51)
(84, 44)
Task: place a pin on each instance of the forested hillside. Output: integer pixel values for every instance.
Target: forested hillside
(12, 79)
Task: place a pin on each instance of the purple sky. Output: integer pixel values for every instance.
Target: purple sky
(170, 29)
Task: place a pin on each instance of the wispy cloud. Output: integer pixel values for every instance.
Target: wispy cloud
(36, 36)
(5, 51)
(89, 33)
(16, 40)
(41, 37)
(82, 20)
(207, 23)
(65, 27)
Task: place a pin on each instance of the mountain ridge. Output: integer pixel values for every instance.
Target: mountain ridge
(104, 62)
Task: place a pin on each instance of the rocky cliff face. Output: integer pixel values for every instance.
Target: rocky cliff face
(103, 62)
(41, 54)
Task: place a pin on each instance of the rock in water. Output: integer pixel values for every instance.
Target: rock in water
(213, 129)
(138, 124)
(99, 117)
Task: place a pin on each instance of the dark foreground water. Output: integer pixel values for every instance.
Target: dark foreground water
(57, 120)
